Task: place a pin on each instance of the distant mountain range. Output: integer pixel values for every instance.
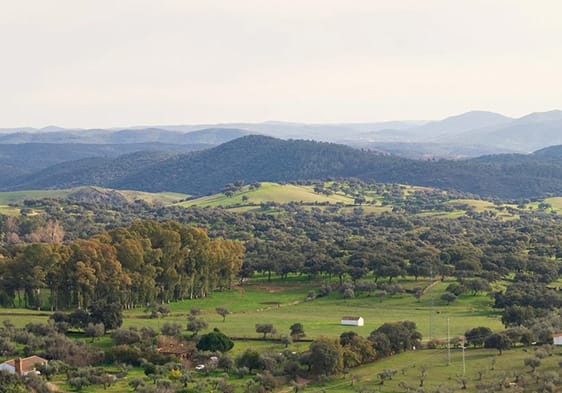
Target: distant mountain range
(462, 136)
(260, 158)
(471, 134)
(210, 136)
(27, 158)
(26, 152)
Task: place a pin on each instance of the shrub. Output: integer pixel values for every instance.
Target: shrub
(126, 336)
(215, 341)
(126, 354)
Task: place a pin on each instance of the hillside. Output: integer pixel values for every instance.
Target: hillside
(26, 158)
(259, 158)
(252, 158)
(554, 152)
(269, 192)
(96, 171)
(88, 194)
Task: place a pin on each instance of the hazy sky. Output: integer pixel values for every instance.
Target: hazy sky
(102, 63)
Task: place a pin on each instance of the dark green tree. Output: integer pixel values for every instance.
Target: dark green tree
(326, 357)
(110, 314)
(215, 341)
(499, 341)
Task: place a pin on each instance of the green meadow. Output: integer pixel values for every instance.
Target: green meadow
(269, 192)
(480, 367)
(283, 302)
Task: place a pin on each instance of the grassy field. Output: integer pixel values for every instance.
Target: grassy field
(480, 206)
(164, 198)
(554, 202)
(269, 192)
(282, 303)
(285, 193)
(9, 210)
(17, 197)
(482, 366)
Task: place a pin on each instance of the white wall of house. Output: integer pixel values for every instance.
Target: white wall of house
(353, 322)
(557, 340)
(8, 368)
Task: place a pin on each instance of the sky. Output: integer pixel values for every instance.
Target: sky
(117, 63)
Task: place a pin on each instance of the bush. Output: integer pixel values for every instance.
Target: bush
(126, 354)
(324, 290)
(40, 329)
(348, 293)
(60, 317)
(171, 329)
(226, 363)
(126, 336)
(456, 289)
(215, 341)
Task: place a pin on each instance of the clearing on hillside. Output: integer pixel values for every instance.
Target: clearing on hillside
(269, 192)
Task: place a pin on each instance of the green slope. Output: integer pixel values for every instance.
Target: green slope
(18, 197)
(269, 192)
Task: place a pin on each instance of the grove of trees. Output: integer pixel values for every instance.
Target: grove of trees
(144, 263)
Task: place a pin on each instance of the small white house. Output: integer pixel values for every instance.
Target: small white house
(22, 366)
(352, 321)
(557, 338)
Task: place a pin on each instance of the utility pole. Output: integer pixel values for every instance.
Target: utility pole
(463, 361)
(431, 302)
(448, 344)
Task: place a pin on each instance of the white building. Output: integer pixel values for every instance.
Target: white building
(557, 338)
(22, 366)
(352, 321)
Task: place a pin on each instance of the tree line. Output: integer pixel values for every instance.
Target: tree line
(144, 263)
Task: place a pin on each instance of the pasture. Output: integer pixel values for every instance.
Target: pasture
(481, 367)
(269, 192)
(283, 302)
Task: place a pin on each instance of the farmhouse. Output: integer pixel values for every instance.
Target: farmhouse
(352, 321)
(557, 338)
(22, 366)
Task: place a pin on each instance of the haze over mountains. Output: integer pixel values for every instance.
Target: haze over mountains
(469, 134)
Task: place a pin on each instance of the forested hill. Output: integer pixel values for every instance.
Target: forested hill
(89, 171)
(554, 152)
(254, 158)
(259, 158)
(31, 157)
